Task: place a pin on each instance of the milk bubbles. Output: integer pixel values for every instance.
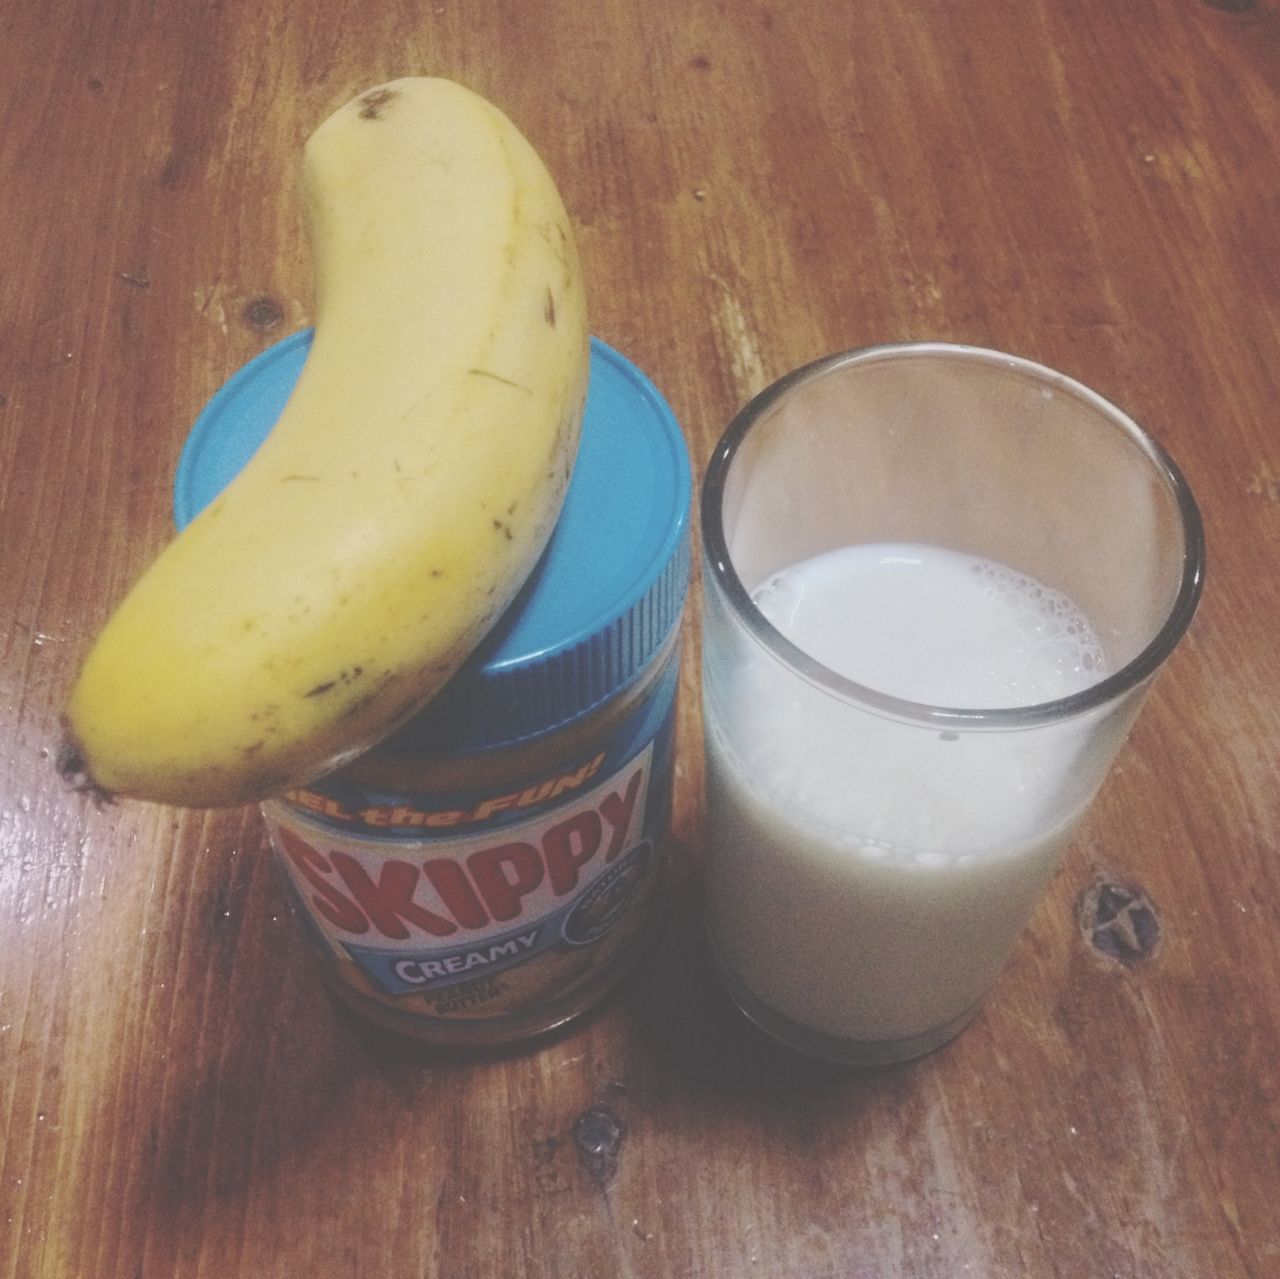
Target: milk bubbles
(934, 625)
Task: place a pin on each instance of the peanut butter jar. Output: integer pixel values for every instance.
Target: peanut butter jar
(494, 869)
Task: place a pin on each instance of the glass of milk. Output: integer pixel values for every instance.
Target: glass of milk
(938, 583)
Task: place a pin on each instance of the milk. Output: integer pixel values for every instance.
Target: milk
(868, 877)
(932, 625)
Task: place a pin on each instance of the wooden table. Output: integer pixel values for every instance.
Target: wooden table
(1094, 185)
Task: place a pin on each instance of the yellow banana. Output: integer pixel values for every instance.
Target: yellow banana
(401, 499)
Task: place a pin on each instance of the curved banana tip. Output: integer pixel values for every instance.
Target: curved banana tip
(73, 768)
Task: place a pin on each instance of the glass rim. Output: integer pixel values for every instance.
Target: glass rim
(1107, 690)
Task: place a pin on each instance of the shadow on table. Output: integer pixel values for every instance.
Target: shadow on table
(675, 1021)
(278, 1078)
(687, 1027)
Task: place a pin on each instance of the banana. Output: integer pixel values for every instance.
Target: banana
(403, 496)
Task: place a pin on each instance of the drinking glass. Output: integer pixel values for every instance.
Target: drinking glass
(871, 859)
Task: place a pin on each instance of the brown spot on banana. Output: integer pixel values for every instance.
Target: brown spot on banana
(73, 768)
(372, 103)
(497, 377)
(342, 678)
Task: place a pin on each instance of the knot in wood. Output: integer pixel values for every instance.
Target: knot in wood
(1119, 921)
(263, 313)
(598, 1133)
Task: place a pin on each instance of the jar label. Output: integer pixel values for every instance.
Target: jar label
(484, 906)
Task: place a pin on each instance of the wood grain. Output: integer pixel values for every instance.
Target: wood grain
(757, 184)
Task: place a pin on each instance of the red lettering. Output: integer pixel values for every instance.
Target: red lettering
(617, 808)
(558, 846)
(329, 902)
(501, 893)
(390, 900)
(451, 882)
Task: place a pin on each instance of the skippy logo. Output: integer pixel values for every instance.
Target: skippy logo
(444, 910)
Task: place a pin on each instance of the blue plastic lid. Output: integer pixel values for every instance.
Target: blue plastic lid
(602, 600)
